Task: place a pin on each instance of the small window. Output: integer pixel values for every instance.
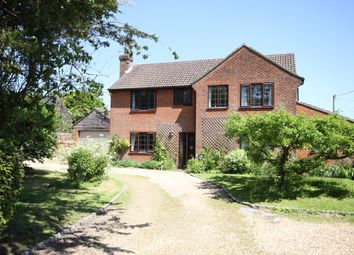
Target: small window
(142, 142)
(257, 95)
(182, 96)
(218, 96)
(143, 100)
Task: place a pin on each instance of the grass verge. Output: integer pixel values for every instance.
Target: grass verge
(311, 193)
(48, 203)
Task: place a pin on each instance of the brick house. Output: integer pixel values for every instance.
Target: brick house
(185, 103)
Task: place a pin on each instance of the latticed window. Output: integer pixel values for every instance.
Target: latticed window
(218, 96)
(143, 100)
(258, 95)
(142, 142)
(182, 96)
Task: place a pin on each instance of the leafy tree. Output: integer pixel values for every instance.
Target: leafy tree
(272, 137)
(45, 49)
(81, 102)
(335, 139)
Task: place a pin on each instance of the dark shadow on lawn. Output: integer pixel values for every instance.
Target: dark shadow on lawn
(256, 189)
(30, 220)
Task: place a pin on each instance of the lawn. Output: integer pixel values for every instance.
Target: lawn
(313, 192)
(48, 203)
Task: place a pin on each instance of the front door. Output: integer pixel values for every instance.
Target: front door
(186, 148)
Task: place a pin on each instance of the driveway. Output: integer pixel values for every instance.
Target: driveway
(175, 213)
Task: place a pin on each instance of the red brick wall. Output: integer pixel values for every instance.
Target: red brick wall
(244, 67)
(123, 122)
(308, 110)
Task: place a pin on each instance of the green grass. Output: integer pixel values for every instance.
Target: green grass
(310, 193)
(48, 203)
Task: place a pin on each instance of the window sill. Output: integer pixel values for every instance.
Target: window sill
(250, 108)
(217, 108)
(143, 111)
(139, 153)
(181, 105)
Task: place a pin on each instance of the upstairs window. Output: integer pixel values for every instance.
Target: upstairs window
(182, 96)
(218, 96)
(257, 95)
(142, 142)
(143, 100)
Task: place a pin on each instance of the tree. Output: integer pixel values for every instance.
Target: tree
(45, 50)
(272, 137)
(81, 102)
(335, 138)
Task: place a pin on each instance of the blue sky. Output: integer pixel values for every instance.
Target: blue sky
(320, 33)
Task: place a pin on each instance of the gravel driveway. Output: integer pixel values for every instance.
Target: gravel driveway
(175, 213)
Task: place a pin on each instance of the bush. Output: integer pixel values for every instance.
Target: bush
(85, 166)
(236, 161)
(333, 171)
(150, 164)
(163, 157)
(117, 147)
(169, 164)
(195, 166)
(305, 165)
(125, 163)
(213, 159)
(11, 175)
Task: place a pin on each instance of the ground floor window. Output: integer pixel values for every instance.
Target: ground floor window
(142, 142)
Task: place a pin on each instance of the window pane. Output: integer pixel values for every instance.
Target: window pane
(267, 95)
(178, 96)
(256, 91)
(218, 96)
(134, 100)
(133, 142)
(187, 96)
(151, 100)
(142, 142)
(151, 142)
(245, 95)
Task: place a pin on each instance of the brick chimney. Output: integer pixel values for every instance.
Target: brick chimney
(125, 63)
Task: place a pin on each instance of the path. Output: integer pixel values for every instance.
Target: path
(174, 213)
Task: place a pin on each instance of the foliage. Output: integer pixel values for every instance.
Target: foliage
(81, 102)
(117, 147)
(305, 165)
(125, 163)
(209, 160)
(333, 171)
(150, 164)
(11, 173)
(162, 155)
(335, 138)
(195, 166)
(48, 204)
(236, 161)
(272, 137)
(85, 166)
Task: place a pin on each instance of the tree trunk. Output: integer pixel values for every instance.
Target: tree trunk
(281, 166)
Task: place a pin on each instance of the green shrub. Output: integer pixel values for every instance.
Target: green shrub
(85, 166)
(125, 163)
(195, 166)
(161, 155)
(169, 164)
(11, 176)
(117, 147)
(333, 171)
(150, 164)
(213, 159)
(236, 161)
(304, 165)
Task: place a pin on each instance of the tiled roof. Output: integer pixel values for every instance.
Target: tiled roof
(183, 73)
(285, 60)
